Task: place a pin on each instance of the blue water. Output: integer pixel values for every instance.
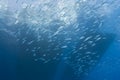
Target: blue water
(86, 47)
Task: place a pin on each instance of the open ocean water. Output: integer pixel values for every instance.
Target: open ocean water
(59, 40)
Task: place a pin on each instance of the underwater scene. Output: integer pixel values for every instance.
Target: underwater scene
(59, 39)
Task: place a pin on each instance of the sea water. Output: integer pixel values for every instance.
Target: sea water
(59, 40)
